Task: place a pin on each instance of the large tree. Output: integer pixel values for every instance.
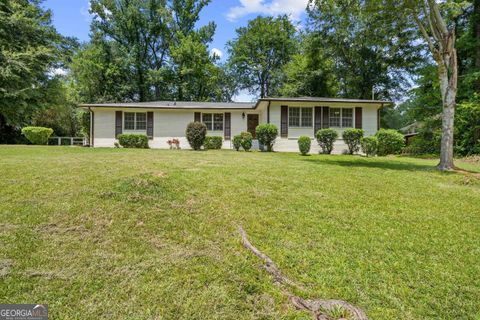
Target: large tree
(370, 44)
(441, 39)
(148, 50)
(30, 51)
(310, 72)
(260, 51)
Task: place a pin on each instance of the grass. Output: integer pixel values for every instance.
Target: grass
(151, 234)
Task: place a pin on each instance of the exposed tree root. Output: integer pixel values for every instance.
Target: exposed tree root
(319, 308)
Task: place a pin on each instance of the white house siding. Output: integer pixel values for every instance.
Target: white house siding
(170, 124)
(104, 128)
(167, 124)
(290, 144)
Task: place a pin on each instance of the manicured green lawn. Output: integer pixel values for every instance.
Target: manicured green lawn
(151, 234)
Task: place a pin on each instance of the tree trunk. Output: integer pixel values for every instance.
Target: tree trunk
(447, 73)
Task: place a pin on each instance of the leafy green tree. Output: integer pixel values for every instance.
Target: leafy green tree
(310, 72)
(30, 50)
(371, 45)
(260, 51)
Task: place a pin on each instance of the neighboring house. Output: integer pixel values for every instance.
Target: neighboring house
(411, 131)
(294, 117)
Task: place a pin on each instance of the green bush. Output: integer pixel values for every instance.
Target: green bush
(424, 143)
(389, 142)
(326, 138)
(304, 144)
(352, 139)
(213, 143)
(369, 145)
(196, 133)
(266, 135)
(133, 141)
(237, 142)
(37, 135)
(246, 141)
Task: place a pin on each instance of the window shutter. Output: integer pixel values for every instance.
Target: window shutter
(150, 125)
(318, 120)
(378, 119)
(284, 122)
(228, 126)
(326, 117)
(197, 117)
(118, 123)
(358, 117)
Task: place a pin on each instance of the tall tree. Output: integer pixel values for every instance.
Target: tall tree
(441, 39)
(30, 49)
(148, 49)
(310, 72)
(260, 51)
(370, 44)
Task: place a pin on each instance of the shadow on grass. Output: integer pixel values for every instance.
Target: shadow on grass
(382, 163)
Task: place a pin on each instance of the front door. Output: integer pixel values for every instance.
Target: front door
(252, 123)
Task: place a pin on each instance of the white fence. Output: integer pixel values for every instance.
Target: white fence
(68, 141)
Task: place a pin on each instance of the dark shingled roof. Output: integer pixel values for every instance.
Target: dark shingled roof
(175, 105)
(321, 99)
(221, 105)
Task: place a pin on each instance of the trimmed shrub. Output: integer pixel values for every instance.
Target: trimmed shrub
(326, 138)
(304, 144)
(246, 141)
(389, 142)
(133, 141)
(266, 135)
(37, 135)
(196, 133)
(237, 142)
(352, 139)
(213, 142)
(369, 145)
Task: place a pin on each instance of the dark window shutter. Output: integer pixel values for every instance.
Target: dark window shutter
(150, 125)
(326, 117)
(378, 119)
(118, 123)
(358, 117)
(318, 120)
(197, 117)
(284, 122)
(228, 126)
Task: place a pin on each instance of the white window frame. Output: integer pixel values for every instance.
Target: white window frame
(340, 123)
(213, 121)
(343, 118)
(300, 117)
(135, 123)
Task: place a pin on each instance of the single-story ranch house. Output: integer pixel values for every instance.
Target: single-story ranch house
(294, 117)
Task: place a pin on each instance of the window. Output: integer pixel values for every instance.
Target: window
(300, 117)
(335, 115)
(135, 121)
(307, 117)
(141, 121)
(341, 117)
(213, 121)
(218, 122)
(207, 119)
(129, 120)
(347, 117)
(294, 117)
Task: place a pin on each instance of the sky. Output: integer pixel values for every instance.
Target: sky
(71, 18)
